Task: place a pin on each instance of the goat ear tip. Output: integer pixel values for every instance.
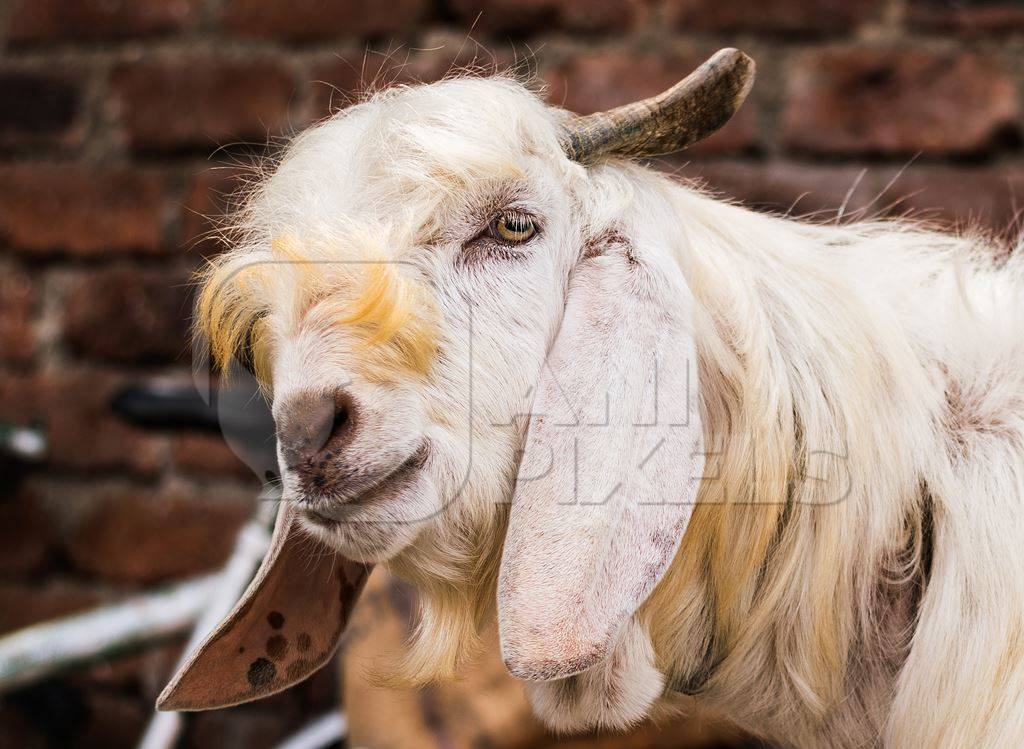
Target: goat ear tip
(171, 701)
(166, 702)
(174, 697)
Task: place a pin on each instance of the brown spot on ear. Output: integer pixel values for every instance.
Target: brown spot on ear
(277, 646)
(304, 642)
(275, 619)
(241, 649)
(300, 668)
(261, 673)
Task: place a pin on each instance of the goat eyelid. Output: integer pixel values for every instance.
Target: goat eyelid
(490, 230)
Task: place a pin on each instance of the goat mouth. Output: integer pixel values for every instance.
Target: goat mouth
(327, 513)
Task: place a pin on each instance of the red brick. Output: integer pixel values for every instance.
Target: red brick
(543, 16)
(797, 189)
(850, 100)
(316, 19)
(19, 731)
(19, 298)
(24, 603)
(960, 197)
(596, 81)
(53, 20)
(976, 16)
(773, 16)
(73, 409)
(950, 197)
(157, 667)
(240, 726)
(201, 102)
(338, 82)
(265, 724)
(81, 210)
(121, 671)
(75, 718)
(26, 534)
(146, 671)
(40, 107)
(129, 315)
(212, 195)
(142, 537)
(111, 720)
(207, 455)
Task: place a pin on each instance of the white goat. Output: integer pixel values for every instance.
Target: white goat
(771, 464)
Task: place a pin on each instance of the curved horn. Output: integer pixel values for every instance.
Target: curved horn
(690, 111)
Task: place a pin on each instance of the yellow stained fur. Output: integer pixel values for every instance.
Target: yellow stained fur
(228, 307)
(392, 311)
(391, 314)
(456, 603)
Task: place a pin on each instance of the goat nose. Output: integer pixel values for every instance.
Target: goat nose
(309, 421)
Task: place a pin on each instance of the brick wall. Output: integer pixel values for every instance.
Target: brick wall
(123, 123)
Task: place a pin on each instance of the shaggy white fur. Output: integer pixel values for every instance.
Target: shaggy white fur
(851, 571)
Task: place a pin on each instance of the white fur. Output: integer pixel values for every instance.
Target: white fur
(617, 693)
(883, 360)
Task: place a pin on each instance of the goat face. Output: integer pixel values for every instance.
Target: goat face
(437, 278)
(430, 273)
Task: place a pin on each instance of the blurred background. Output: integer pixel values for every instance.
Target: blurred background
(126, 124)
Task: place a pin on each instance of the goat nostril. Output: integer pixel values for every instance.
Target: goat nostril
(340, 420)
(344, 425)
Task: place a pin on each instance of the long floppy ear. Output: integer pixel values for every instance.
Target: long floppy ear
(611, 468)
(286, 625)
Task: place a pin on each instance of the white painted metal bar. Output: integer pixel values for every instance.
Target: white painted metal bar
(45, 649)
(253, 541)
(320, 733)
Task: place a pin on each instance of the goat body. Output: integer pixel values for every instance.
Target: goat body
(829, 551)
(851, 573)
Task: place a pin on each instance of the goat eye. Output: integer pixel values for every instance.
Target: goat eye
(512, 227)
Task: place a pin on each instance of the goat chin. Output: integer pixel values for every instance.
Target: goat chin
(616, 694)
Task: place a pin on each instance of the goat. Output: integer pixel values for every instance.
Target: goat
(676, 447)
